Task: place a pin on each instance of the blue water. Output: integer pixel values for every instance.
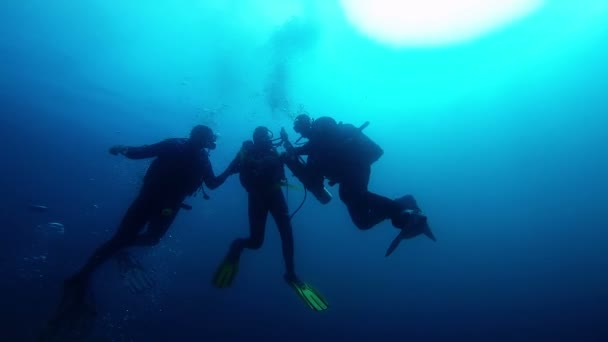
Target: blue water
(502, 140)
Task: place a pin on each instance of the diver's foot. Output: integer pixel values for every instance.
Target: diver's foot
(412, 225)
(235, 250)
(409, 212)
(408, 218)
(407, 202)
(291, 277)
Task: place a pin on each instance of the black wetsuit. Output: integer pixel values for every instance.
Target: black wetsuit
(261, 173)
(344, 156)
(178, 171)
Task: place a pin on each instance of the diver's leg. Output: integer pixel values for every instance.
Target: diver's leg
(366, 208)
(158, 226)
(353, 193)
(126, 234)
(354, 201)
(381, 208)
(135, 276)
(258, 214)
(280, 213)
(132, 223)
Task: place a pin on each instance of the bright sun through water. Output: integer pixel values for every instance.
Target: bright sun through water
(433, 22)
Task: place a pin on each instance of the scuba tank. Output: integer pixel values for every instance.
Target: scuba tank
(363, 148)
(311, 181)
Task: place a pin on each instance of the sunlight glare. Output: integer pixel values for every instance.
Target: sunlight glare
(433, 22)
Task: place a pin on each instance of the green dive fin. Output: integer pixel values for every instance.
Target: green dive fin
(225, 274)
(309, 295)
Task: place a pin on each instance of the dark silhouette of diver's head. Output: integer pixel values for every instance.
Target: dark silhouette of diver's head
(303, 125)
(262, 137)
(202, 136)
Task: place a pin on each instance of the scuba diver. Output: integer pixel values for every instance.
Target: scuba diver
(179, 169)
(261, 173)
(343, 154)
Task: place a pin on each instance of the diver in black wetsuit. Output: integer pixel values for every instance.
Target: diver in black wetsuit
(179, 170)
(344, 155)
(261, 173)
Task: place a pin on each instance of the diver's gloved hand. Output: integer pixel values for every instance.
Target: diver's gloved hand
(118, 149)
(233, 169)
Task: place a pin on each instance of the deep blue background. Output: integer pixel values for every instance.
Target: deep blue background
(513, 179)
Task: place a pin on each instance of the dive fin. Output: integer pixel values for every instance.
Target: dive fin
(225, 274)
(394, 244)
(75, 317)
(420, 226)
(309, 295)
(427, 231)
(135, 276)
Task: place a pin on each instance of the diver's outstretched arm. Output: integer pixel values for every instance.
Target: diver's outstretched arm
(140, 152)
